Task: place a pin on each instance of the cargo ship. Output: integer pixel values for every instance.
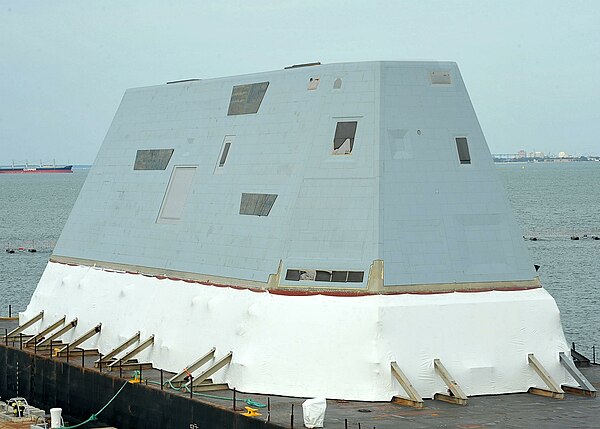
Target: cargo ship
(26, 168)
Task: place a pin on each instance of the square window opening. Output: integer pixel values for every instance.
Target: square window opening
(293, 275)
(323, 276)
(356, 276)
(339, 276)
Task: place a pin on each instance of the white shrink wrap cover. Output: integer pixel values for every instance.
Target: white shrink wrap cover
(313, 411)
(314, 346)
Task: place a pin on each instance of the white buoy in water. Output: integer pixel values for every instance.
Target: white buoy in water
(56, 418)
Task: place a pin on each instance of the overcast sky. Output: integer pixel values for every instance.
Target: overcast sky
(532, 68)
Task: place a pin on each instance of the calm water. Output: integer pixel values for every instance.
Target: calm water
(33, 210)
(551, 201)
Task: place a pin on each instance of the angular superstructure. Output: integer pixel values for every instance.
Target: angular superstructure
(320, 223)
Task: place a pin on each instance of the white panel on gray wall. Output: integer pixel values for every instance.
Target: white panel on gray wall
(440, 77)
(176, 194)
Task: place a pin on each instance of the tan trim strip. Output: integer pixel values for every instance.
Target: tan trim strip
(375, 287)
(160, 272)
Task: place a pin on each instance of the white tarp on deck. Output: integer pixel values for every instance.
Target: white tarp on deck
(315, 346)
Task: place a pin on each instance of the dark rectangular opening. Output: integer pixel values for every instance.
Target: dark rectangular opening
(343, 141)
(257, 204)
(224, 154)
(339, 276)
(293, 275)
(152, 159)
(246, 99)
(463, 150)
(355, 276)
(323, 276)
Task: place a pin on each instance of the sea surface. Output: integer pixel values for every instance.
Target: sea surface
(552, 202)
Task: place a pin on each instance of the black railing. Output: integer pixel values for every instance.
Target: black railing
(584, 354)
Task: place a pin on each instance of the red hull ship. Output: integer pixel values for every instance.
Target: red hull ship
(32, 170)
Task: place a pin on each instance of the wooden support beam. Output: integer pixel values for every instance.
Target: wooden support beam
(543, 373)
(545, 392)
(72, 324)
(414, 399)
(179, 378)
(26, 325)
(585, 387)
(111, 354)
(554, 390)
(142, 346)
(578, 391)
(213, 368)
(457, 396)
(89, 334)
(44, 332)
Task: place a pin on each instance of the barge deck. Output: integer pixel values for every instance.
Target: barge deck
(508, 411)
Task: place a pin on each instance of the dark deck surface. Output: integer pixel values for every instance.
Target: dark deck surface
(521, 410)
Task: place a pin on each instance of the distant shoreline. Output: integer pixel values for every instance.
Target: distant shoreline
(545, 160)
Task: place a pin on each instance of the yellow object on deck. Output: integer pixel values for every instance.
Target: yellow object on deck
(251, 412)
(136, 378)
